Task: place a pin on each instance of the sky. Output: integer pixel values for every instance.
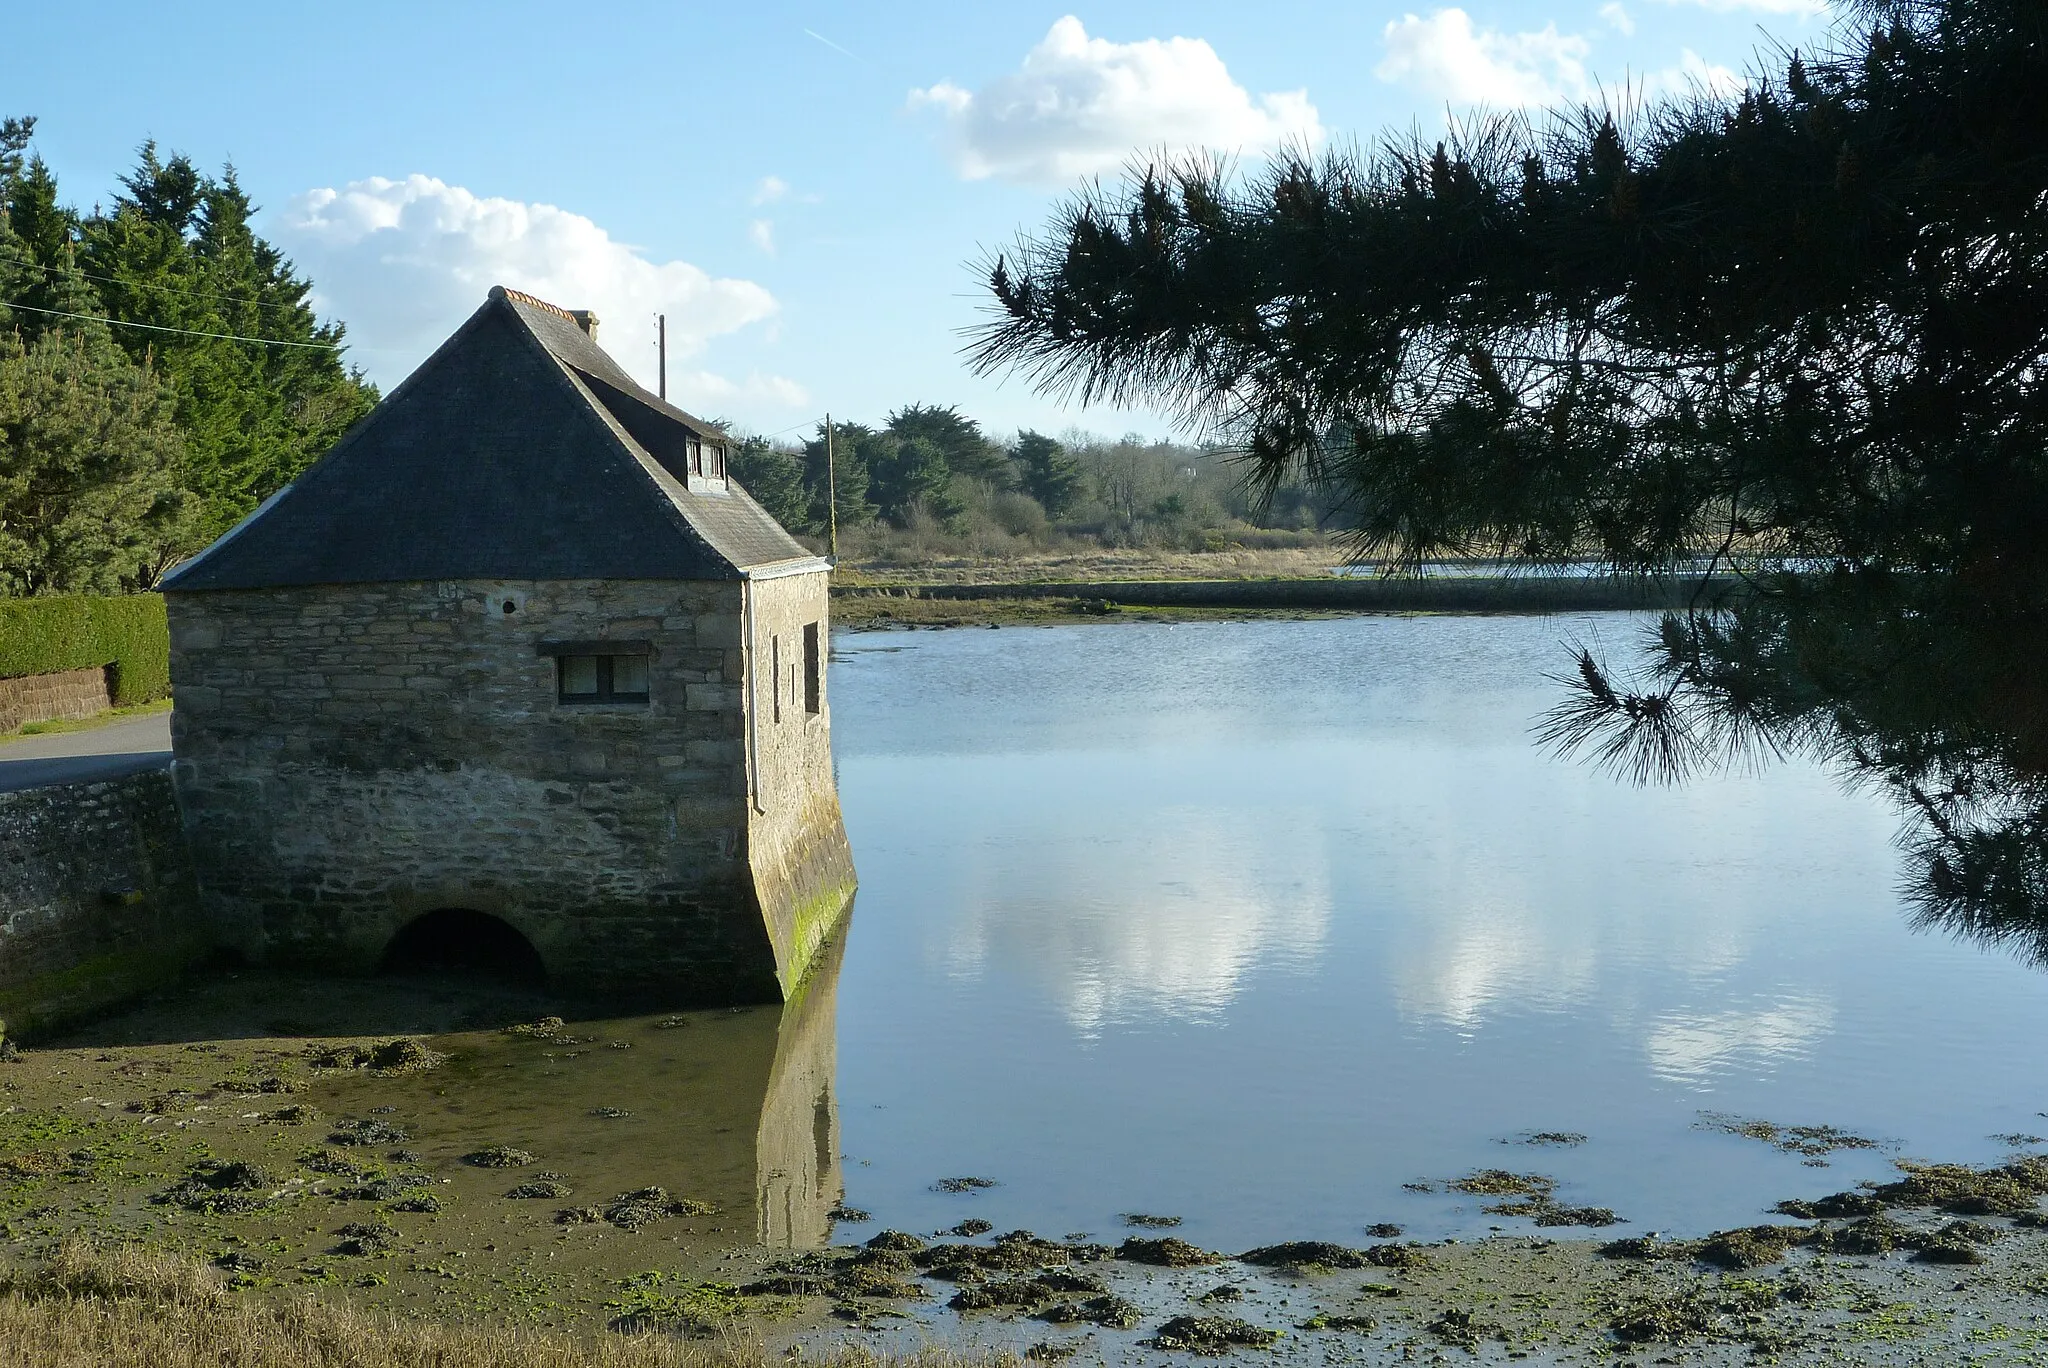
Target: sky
(805, 189)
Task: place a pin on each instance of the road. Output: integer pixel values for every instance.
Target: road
(125, 747)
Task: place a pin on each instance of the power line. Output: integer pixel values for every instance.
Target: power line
(144, 285)
(183, 332)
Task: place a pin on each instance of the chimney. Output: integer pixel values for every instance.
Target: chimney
(587, 321)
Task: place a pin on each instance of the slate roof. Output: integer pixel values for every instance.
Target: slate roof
(518, 450)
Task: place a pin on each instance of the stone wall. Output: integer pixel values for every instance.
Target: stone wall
(796, 844)
(97, 898)
(45, 697)
(352, 757)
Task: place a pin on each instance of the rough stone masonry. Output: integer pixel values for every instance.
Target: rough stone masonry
(352, 757)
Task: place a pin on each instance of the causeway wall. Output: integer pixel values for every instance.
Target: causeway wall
(97, 898)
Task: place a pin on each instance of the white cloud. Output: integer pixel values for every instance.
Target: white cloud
(1694, 73)
(1804, 8)
(1618, 18)
(1446, 56)
(762, 233)
(717, 395)
(1079, 106)
(770, 189)
(405, 261)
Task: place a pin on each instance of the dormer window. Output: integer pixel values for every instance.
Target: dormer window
(707, 459)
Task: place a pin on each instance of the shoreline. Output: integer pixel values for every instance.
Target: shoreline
(365, 1158)
(864, 606)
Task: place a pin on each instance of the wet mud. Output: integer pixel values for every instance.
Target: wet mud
(484, 1154)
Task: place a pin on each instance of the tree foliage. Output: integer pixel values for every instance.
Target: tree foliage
(176, 270)
(1803, 330)
(89, 497)
(1046, 472)
(1808, 321)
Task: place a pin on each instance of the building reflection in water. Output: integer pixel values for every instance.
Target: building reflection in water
(796, 1150)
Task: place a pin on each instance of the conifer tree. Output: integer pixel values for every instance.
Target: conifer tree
(89, 495)
(176, 250)
(851, 443)
(776, 480)
(1046, 472)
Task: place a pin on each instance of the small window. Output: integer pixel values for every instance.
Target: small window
(601, 678)
(775, 673)
(814, 671)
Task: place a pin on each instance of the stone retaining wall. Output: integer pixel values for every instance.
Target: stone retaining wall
(97, 898)
(46, 697)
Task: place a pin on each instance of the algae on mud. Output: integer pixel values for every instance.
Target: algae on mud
(186, 1157)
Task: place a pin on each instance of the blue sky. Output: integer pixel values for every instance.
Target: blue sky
(799, 186)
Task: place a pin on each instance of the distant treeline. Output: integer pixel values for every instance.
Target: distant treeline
(134, 427)
(930, 479)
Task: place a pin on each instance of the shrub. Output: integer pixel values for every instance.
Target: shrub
(77, 632)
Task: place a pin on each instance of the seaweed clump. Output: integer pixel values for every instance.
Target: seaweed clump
(1306, 1256)
(2009, 1189)
(542, 1184)
(390, 1058)
(864, 1273)
(1813, 1142)
(630, 1211)
(1751, 1246)
(1666, 1320)
(1169, 1252)
(1014, 1252)
(218, 1187)
(1532, 1195)
(1214, 1335)
(1460, 1329)
(1060, 1296)
(359, 1239)
(355, 1131)
(500, 1156)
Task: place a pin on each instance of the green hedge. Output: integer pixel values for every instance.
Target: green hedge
(76, 632)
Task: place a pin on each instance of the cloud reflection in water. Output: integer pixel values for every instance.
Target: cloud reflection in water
(1183, 905)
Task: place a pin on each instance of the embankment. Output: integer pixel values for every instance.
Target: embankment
(1447, 594)
(97, 897)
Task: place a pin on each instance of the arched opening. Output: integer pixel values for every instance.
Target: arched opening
(460, 940)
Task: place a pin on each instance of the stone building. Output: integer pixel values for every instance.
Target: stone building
(515, 671)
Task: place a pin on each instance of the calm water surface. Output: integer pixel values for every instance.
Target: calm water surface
(1255, 923)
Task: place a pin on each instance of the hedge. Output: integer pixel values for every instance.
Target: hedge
(77, 632)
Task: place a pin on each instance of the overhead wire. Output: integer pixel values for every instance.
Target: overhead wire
(144, 285)
(183, 332)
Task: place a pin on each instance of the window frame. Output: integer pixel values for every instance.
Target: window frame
(814, 671)
(606, 654)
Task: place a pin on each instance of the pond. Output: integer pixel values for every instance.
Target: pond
(1267, 925)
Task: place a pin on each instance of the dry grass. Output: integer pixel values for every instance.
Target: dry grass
(127, 1307)
(1093, 563)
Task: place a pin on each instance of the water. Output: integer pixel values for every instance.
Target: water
(1254, 923)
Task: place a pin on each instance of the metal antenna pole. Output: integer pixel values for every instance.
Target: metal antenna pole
(661, 345)
(831, 495)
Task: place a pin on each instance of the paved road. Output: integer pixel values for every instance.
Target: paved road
(124, 747)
